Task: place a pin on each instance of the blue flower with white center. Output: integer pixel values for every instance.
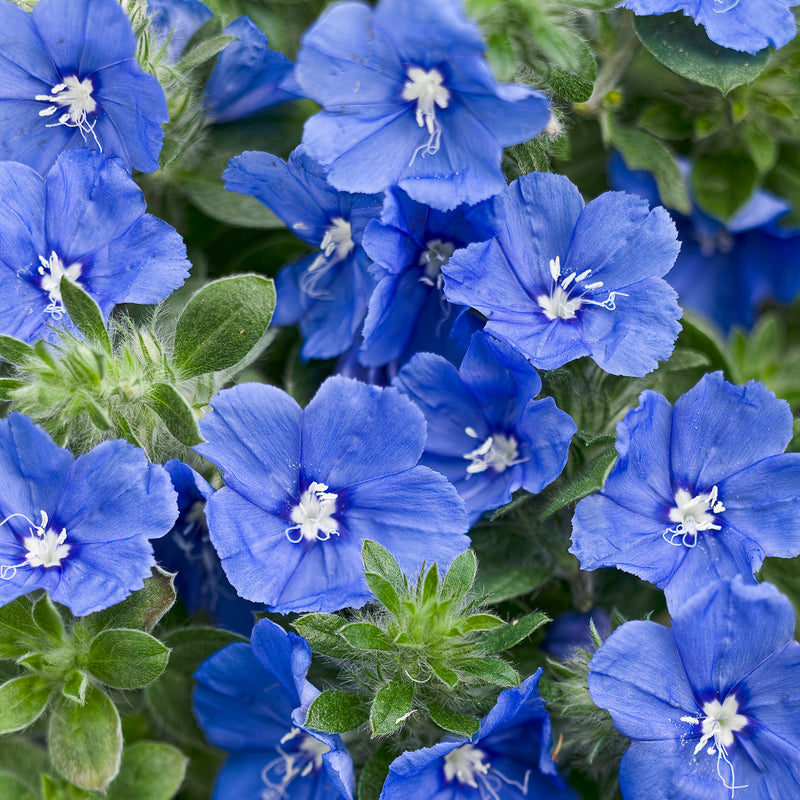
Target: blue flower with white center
(486, 433)
(84, 222)
(77, 527)
(409, 244)
(304, 489)
(409, 100)
(726, 272)
(701, 491)
(247, 76)
(70, 79)
(508, 758)
(562, 280)
(746, 25)
(251, 700)
(326, 292)
(712, 703)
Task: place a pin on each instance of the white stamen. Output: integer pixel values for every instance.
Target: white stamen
(693, 514)
(436, 254)
(313, 515)
(467, 765)
(52, 270)
(287, 766)
(426, 88)
(555, 268)
(498, 452)
(75, 96)
(336, 245)
(45, 547)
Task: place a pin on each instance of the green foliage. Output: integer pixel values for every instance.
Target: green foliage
(723, 182)
(22, 701)
(85, 313)
(149, 771)
(126, 659)
(336, 712)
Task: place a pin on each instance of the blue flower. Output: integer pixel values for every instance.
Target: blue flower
(508, 758)
(409, 100)
(70, 79)
(305, 488)
(726, 272)
(408, 312)
(326, 292)
(77, 527)
(712, 703)
(200, 581)
(247, 76)
(563, 281)
(701, 491)
(252, 700)
(486, 433)
(746, 25)
(85, 222)
(570, 630)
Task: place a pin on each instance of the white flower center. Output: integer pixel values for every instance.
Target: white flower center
(498, 452)
(75, 97)
(52, 271)
(436, 254)
(468, 765)
(426, 87)
(721, 241)
(45, 548)
(720, 722)
(287, 766)
(336, 245)
(693, 514)
(313, 515)
(561, 303)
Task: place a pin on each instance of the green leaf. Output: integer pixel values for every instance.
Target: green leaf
(175, 413)
(47, 618)
(462, 724)
(141, 610)
(22, 701)
(490, 670)
(591, 479)
(762, 147)
(222, 323)
(85, 313)
(682, 46)
(379, 560)
(16, 352)
(17, 628)
(373, 776)
(126, 658)
(11, 788)
(444, 674)
(430, 586)
(460, 576)
(364, 636)
(75, 685)
(85, 742)
(384, 591)
(124, 431)
(203, 52)
(512, 632)
(723, 182)
(336, 712)
(322, 633)
(481, 622)
(149, 771)
(25, 761)
(391, 707)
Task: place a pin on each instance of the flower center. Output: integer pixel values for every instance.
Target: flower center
(426, 87)
(313, 515)
(468, 765)
(559, 304)
(44, 547)
(336, 245)
(75, 97)
(693, 514)
(720, 722)
(498, 452)
(721, 241)
(302, 761)
(436, 254)
(52, 270)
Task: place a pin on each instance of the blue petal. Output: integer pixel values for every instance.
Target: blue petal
(749, 28)
(546, 432)
(22, 226)
(286, 656)
(26, 67)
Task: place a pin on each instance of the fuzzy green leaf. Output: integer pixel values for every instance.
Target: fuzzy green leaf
(430, 585)
(390, 707)
(336, 712)
(149, 771)
(85, 313)
(491, 670)
(512, 632)
(590, 479)
(462, 724)
(17, 628)
(47, 618)
(321, 631)
(379, 560)
(22, 701)
(126, 659)
(75, 685)
(11, 788)
(373, 776)
(222, 323)
(175, 413)
(461, 575)
(15, 351)
(481, 622)
(384, 591)
(444, 674)
(203, 52)
(364, 636)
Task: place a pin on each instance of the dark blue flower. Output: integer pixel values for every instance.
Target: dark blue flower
(563, 281)
(327, 292)
(77, 527)
(508, 758)
(70, 79)
(486, 433)
(409, 100)
(712, 703)
(747, 25)
(252, 700)
(726, 272)
(408, 311)
(571, 630)
(305, 488)
(701, 491)
(85, 221)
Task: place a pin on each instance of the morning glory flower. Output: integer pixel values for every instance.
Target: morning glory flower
(409, 244)
(84, 222)
(409, 100)
(304, 489)
(737, 24)
(701, 491)
(251, 700)
(726, 271)
(509, 757)
(712, 703)
(326, 292)
(563, 280)
(486, 433)
(77, 527)
(70, 79)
